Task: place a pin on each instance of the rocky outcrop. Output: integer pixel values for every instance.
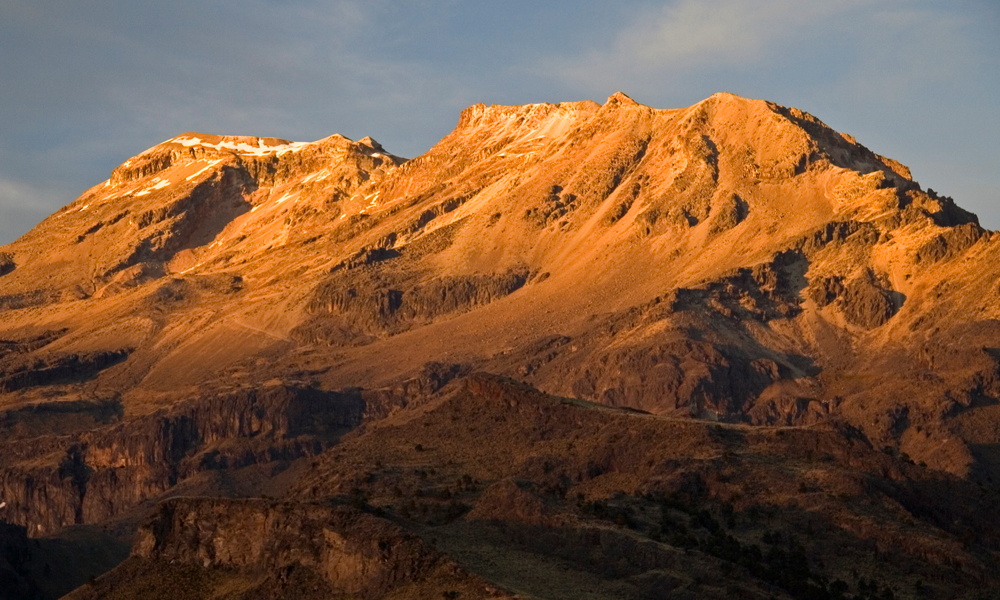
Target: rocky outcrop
(350, 307)
(686, 377)
(298, 550)
(54, 369)
(949, 243)
(864, 301)
(762, 292)
(54, 481)
(28, 299)
(359, 554)
(7, 263)
(28, 343)
(65, 417)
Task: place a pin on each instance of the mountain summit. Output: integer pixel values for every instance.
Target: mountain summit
(734, 261)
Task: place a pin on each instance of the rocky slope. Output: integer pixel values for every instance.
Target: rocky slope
(222, 309)
(275, 550)
(547, 497)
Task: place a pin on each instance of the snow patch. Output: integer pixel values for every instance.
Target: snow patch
(317, 175)
(162, 183)
(211, 164)
(242, 147)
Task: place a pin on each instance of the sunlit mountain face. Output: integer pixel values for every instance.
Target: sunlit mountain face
(574, 350)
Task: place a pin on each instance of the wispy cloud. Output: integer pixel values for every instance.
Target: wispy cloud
(690, 35)
(698, 33)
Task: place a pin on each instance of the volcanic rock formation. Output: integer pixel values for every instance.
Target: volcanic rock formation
(216, 316)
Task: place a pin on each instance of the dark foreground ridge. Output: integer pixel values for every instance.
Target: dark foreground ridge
(540, 496)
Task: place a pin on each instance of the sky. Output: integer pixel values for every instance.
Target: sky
(84, 85)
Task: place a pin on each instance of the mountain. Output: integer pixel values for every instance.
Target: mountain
(681, 333)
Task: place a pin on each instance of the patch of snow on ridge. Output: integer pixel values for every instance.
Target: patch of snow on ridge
(242, 147)
(158, 186)
(211, 164)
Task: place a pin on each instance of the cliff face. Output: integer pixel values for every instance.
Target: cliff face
(50, 481)
(292, 550)
(54, 481)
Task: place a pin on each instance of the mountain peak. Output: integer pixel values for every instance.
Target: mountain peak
(371, 143)
(568, 189)
(223, 302)
(620, 98)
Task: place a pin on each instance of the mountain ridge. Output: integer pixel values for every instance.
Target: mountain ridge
(559, 321)
(618, 253)
(236, 210)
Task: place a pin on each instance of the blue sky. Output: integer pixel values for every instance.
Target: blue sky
(86, 85)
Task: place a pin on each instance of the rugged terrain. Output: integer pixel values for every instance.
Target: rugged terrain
(573, 350)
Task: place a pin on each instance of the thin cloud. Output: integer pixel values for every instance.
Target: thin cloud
(697, 34)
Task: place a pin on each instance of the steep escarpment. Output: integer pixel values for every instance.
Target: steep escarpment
(83, 462)
(349, 551)
(50, 370)
(265, 549)
(353, 307)
(48, 482)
